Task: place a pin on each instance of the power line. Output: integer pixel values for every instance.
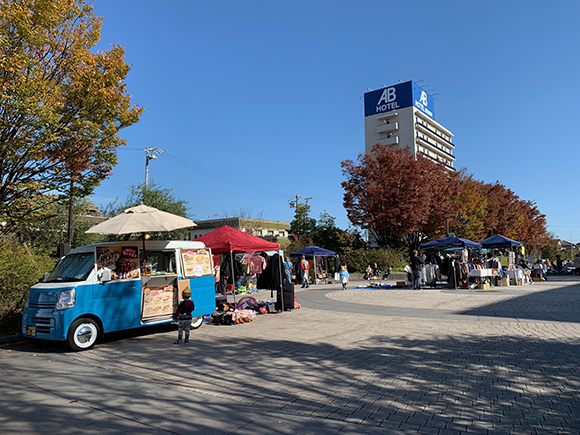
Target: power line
(231, 180)
(223, 177)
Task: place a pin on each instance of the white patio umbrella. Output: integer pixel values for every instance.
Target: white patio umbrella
(141, 219)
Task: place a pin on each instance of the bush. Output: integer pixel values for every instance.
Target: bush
(19, 269)
(359, 259)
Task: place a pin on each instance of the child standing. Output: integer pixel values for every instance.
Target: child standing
(183, 316)
(344, 275)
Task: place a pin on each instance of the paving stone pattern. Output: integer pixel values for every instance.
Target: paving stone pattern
(353, 362)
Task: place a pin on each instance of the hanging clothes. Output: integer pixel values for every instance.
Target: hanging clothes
(256, 265)
(271, 277)
(320, 267)
(298, 272)
(228, 273)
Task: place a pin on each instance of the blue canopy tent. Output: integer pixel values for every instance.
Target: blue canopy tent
(498, 241)
(313, 251)
(450, 242)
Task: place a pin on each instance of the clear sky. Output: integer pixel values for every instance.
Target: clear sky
(255, 101)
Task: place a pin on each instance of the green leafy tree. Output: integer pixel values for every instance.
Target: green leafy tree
(302, 227)
(44, 236)
(61, 105)
(326, 232)
(153, 196)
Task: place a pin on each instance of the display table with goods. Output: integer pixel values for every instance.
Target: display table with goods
(482, 278)
(248, 308)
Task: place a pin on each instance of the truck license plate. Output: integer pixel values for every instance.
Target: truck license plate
(31, 331)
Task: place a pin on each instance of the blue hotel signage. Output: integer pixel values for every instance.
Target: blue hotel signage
(399, 96)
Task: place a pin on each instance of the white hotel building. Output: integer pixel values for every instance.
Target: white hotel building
(403, 115)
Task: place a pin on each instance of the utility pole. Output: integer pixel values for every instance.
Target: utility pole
(150, 154)
(294, 203)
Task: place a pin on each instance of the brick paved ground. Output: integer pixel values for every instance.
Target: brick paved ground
(357, 361)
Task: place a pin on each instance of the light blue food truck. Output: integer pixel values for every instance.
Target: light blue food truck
(107, 287)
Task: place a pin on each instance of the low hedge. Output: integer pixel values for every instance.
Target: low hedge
(19, 269)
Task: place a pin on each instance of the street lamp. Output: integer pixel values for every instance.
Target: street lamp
(447, 216)
(150, 154)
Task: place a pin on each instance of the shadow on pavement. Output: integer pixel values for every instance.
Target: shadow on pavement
(559, 304)
(457, 383)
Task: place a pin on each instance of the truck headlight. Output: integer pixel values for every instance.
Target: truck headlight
(66, 299)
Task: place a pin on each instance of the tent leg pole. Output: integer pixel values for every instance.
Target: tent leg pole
(314, 267)
(281, 281)
(233, 275)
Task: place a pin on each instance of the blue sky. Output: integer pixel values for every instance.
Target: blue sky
(256, 101)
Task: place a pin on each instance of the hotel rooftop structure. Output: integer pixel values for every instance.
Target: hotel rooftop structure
(404, 115)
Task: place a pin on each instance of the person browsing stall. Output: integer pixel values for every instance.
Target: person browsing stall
(416, 269)
(305, 266)
(183, 316)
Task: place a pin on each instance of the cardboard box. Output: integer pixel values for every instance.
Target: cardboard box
(536, 278)
(503, 281)
(484, 286)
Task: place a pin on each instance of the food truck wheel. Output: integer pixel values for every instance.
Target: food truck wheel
(196, 322)
(82, 334)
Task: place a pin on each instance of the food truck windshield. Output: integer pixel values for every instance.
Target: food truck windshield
(73, 267)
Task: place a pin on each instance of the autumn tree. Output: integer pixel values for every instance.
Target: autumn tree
(513, 217)
(61, 105)
(469, 223)
(399, 198)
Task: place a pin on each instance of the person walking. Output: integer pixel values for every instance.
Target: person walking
(288, 271)
(305, 266)
(416, 269)
(344, 276)
(183, 316)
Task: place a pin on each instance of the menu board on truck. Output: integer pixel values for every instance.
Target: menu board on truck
(158, 301)
(196, 262)
(123, 261)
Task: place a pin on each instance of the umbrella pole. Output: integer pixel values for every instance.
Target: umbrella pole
(144, 256)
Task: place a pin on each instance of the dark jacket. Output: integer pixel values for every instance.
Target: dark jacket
(416, 263)
(184, 310)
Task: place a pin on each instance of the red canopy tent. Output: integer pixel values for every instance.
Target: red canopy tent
(226, 239)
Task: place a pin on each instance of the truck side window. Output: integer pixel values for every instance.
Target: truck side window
(161, 261)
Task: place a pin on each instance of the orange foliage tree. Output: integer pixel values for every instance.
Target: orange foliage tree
(61, 105)
(403, 200)
(399, 199)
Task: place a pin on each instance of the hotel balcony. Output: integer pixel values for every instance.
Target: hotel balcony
(393, 140)
(387, 127)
